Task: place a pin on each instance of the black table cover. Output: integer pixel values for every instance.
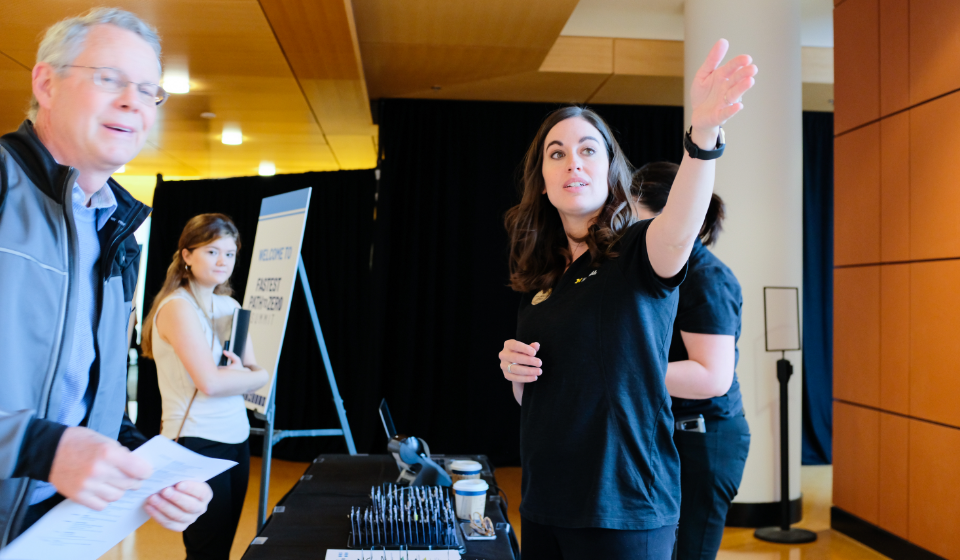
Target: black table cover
(315, 512)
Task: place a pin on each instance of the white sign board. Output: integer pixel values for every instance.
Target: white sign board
(273, 272)
(781, 308)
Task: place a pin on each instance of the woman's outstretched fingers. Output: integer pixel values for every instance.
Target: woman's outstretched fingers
(716, 54)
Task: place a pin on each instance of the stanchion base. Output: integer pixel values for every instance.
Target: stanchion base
(791, 536)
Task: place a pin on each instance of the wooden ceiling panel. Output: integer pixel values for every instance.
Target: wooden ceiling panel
(533, 24)
(238, 71)
(398, 70)
(316, 37)
(413, 45)
(319, 40)
(646, 57)
(641, 90)
(557, 87)
(341, 106)
(354, 151)
(591, 55)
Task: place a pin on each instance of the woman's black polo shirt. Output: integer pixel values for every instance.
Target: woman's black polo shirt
(710, 303)
(596, 433)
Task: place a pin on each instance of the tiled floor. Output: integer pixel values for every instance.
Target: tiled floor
(151, 542)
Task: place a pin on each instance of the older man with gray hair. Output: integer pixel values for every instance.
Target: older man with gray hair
(68, 268)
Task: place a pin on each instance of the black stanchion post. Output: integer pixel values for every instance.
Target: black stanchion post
(784, 534)
(784, 371)
(781, 321)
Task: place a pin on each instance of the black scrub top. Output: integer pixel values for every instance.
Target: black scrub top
(710, 303)
(596, 431)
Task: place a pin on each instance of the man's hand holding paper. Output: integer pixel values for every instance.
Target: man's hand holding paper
(172, 493)
(94, 470)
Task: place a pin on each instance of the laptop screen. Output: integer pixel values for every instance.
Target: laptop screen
(387, 420)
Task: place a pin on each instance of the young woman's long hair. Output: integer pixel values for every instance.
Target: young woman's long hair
(539, 251)
(651, 187)
(199, 231)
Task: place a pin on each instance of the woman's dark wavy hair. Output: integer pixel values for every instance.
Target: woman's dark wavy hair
(539, 250)
(651, 187)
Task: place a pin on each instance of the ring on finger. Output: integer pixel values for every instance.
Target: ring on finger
(509, 365)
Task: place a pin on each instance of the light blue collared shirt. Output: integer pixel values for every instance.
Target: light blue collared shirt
(75, 402)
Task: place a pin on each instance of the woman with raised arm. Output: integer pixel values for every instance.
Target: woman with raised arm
(601, 475)
(202, 401)
(712, 435)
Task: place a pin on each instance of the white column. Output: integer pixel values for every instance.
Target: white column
(760, 178)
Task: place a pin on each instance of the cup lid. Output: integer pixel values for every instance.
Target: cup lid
(469, 486)
(466, 466)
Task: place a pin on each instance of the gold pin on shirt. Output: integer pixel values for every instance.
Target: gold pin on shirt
(541, 296)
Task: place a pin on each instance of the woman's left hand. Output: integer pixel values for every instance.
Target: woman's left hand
(234, 363)
(715, 93)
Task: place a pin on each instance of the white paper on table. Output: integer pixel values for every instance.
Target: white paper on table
(392, 555)
(73, 531)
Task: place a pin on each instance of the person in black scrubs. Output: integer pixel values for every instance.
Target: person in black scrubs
(601, 474)
(701, 376)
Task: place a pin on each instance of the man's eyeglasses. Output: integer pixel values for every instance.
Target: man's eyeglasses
(115, 81)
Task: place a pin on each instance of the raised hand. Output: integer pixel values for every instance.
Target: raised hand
(715, 94)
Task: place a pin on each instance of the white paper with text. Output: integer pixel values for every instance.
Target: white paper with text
(73, 531)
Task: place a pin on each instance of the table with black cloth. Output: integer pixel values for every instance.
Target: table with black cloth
(315, 512)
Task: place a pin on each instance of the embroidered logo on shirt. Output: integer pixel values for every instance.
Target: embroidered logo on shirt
(578, 280)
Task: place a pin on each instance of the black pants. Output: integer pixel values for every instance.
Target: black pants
(554, 543)
(711, 466)
(211, 535)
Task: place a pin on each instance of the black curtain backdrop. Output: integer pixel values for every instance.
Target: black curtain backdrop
(442, 310)
(336, 255)
(817, 288)
(424, 326)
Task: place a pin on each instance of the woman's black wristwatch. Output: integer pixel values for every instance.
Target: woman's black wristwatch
(697, 152)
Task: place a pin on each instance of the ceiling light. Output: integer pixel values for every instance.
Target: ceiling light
(122, 169)
(267, 168)
(232, 135)
(176, 81)
(208, 115)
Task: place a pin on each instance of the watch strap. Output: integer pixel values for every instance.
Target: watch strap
(697, 152)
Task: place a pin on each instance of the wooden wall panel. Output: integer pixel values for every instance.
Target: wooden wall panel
(856, 335)
(934, 48)
(856, 460)
(893, 491)
(934, 329)
(894, 55)
(856, 25)
(934, 483)
(934, 176)
(856, 214)
(895, 188)
(895, 338)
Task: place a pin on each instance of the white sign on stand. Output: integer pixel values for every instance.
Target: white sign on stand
(273, 273)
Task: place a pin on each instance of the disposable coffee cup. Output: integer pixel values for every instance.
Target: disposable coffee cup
(465, 470)
(470, 496)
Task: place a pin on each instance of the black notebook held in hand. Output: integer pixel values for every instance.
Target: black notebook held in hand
(238, 333)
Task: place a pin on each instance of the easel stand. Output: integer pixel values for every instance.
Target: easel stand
(784, 534)
(272, 436)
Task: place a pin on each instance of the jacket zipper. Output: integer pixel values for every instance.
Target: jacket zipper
(106, 260)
